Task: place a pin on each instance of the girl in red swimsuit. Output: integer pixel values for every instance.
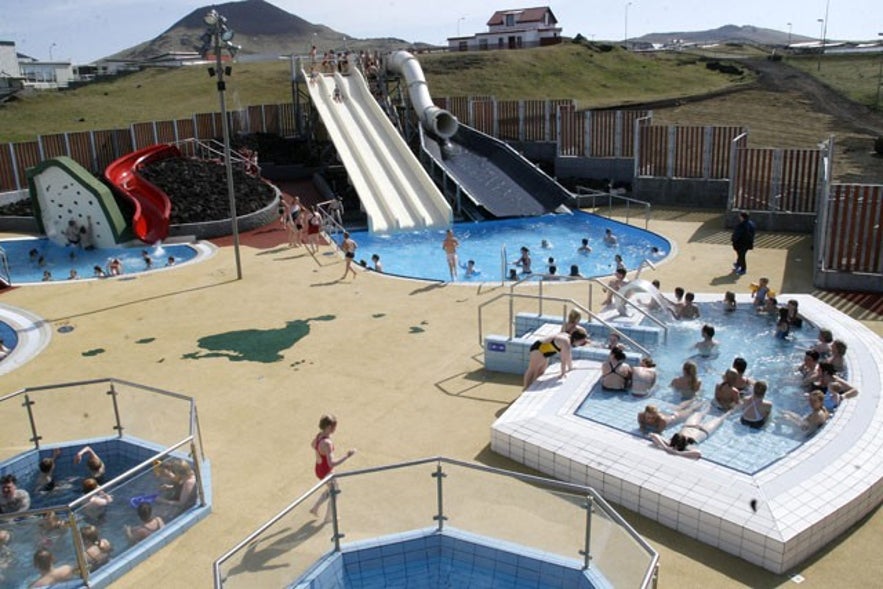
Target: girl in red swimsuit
(323, 448)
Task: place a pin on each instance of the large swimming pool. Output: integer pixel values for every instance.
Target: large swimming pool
(30, 258)
(742, 333)
(418, 254)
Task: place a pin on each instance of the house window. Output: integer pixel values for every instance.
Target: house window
(500, 43)
(462, 46)
(482, 44)
(510, 20)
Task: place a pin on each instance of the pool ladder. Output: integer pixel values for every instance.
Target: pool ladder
(5, 274)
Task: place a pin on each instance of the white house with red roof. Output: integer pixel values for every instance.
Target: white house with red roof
(513, 29)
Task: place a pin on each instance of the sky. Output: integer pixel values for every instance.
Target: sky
(85, 30)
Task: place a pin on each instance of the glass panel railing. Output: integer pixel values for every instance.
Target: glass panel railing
(535, 518)
(410, 502)
(151, 414)
(16, 434)
(534, 515)
(79, 412)
(283, 551)
(623, 558)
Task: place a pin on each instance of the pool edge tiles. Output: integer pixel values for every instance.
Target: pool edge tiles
(33, 332)
(803, 501)
(449, 556)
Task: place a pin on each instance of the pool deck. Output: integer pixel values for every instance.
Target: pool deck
(259, 412)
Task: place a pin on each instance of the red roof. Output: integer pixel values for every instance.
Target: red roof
(523, 15)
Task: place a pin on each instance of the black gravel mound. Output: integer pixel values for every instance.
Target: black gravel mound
(198, 189)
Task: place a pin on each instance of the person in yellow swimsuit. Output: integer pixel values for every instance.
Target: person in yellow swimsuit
(560, 343)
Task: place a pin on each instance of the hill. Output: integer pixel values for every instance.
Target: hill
(261, 29)
(726, 34)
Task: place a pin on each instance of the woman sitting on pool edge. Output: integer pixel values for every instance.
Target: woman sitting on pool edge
(560, 343)
(693, 433)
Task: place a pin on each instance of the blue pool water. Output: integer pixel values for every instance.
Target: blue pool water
(28, 535)
(59, 260)
(8, 335)
(419, 254)
(741, 333)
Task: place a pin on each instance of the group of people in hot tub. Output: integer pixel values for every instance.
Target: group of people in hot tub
(820, 374)
(176, 492)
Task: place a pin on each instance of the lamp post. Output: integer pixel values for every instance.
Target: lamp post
(821, 22)
(789, 34)
(216, 37)
(459, 20)
(50, 50)
(879, 77)
(625, 38)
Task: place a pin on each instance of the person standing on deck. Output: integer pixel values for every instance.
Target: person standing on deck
(743, 240)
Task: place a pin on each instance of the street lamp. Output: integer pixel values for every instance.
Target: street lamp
(821, 22)
(218, 36)
(50, 50)
(459, 20)
(879, 77)
(625, 38)
(789, 34)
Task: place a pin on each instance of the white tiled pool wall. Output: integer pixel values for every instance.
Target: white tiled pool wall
(33, 334)
(381, 561)
(803, 501)
(504, 355)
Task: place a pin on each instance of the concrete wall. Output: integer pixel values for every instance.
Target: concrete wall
(776, 221)
(682, 192)
(614, 169)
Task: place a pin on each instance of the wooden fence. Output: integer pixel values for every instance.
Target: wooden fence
(852, 236)
(785, 180)
(95, 150)
(684, 151)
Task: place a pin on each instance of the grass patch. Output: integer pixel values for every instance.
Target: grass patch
(583, 72)
(855, 76)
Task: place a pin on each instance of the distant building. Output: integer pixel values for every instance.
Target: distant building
(45, 75)
(10, 74)
(513, 29)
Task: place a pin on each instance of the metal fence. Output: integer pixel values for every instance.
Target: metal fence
(851, 237)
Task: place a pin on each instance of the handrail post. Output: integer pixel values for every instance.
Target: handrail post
(116, 411)
(586, 552)
(511, 316)
(440, 517)
(198, 472)
(333, 492)
(35, 437)
(79, 549)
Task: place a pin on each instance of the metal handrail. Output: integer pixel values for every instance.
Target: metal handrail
(328, 216)
(4, 263)
(595, 497)
(583, 192)
(594, 316)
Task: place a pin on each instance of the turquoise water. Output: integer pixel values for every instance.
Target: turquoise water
(60, 260)
(28, 535)
(418, 254)
(741, 333)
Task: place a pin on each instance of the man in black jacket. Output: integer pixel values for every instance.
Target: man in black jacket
(743, 240)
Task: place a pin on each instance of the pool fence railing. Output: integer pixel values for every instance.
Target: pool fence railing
(564, 520)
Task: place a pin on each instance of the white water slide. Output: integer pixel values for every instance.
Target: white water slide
(395, 190)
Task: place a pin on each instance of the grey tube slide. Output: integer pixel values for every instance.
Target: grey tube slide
(434, 119)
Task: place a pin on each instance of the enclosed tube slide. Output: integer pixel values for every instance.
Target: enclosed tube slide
(434, 119)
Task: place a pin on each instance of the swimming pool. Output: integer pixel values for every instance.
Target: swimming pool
(776, 517)
(26, 267)
(31, 533)
(741, 333)
(418, 254)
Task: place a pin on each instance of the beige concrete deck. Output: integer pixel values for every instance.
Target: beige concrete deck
(398, 361)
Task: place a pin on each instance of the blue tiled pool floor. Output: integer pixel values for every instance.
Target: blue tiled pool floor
(427, 559)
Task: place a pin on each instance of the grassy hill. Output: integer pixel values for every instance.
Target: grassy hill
(587, 73)
(856, 76)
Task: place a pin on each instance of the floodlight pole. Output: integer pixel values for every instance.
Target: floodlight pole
(879, 77)
(231, 192)
(625, 39)
(821, 22)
